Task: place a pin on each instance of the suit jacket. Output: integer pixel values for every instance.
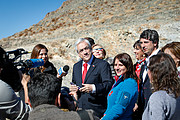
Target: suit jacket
(99, 74)
(145, 89)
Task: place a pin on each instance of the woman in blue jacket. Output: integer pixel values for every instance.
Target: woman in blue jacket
(124, 92)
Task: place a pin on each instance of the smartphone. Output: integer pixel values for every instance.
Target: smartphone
(74, 84)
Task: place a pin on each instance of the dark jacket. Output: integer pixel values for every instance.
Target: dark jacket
(98, 74)
(144, 90)
(145, 87)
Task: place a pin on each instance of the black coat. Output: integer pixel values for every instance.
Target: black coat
(98, 74)
(144, 90)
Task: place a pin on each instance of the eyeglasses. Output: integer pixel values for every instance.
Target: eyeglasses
(97, 49)
(81, 50)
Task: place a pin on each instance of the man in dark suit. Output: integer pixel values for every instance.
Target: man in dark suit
(91, 91)
(149, 40)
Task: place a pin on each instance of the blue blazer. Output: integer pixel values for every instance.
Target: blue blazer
(99, 74)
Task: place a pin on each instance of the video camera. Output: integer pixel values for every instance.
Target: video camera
(23, 65)
(11, 63)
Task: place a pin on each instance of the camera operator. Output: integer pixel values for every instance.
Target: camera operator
(11, 106)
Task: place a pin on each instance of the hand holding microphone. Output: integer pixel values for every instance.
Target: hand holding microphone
(63, 71)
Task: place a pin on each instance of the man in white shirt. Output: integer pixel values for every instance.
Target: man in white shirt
(149, 40)
(92, 79)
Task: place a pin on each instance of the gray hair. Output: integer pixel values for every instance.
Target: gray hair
(82, 40)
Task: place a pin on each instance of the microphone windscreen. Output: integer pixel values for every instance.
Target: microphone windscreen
(66, 68)
(37, 62)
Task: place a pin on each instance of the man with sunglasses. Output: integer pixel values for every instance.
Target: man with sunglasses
(92, 79)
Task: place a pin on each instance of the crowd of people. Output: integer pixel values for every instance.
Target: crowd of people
(121, 90)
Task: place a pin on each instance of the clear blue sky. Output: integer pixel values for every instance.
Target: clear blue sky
(17, 15)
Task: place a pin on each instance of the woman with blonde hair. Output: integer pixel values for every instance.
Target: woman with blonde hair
(98, 51)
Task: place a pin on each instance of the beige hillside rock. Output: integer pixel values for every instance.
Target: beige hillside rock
(116, 24)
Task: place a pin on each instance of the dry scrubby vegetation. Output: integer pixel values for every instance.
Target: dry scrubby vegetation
(116, 24)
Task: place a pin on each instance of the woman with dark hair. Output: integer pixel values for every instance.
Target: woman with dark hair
(163, 76)
(140, 57)
(124, 93)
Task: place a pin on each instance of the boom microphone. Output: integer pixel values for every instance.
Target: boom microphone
(63, 70)
(32, 63)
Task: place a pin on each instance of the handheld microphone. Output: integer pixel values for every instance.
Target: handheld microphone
(63, 70)
(32, 63)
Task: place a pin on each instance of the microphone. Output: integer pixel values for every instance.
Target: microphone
(32, 63)
(63, 70)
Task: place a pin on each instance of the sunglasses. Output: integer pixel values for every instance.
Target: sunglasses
(97, 49)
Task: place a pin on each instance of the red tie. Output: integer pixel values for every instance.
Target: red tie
(84, 72)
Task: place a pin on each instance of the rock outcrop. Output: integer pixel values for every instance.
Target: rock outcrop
(116, 24)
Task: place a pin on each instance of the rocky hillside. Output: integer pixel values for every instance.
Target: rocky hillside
(116, 24)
